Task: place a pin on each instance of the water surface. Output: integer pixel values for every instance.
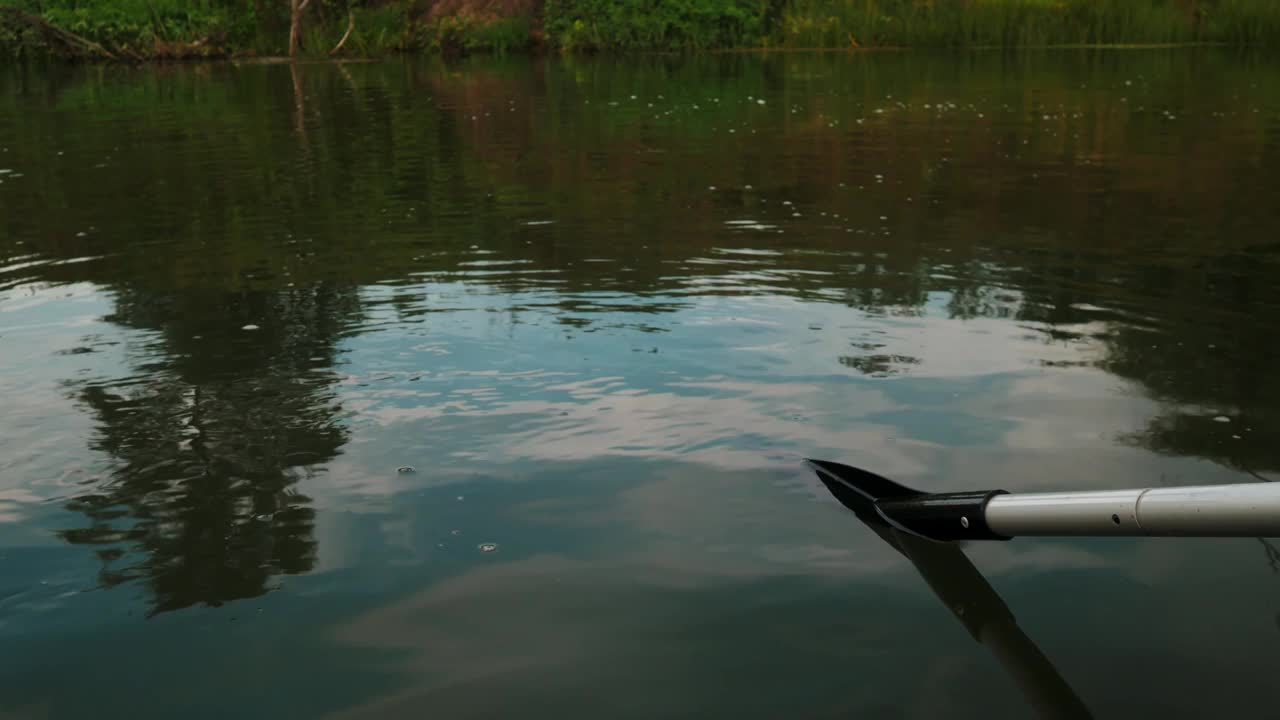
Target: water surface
(480, 389)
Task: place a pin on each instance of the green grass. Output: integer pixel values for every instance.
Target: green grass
(656, 24)
(1006, 23)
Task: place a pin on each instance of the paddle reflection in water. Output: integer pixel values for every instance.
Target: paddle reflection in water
(963, 589)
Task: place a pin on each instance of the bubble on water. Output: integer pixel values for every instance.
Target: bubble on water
(460, 498)
(1222, 419)
(760, 101)
(488, 547)
(250, 326)
(455, 533)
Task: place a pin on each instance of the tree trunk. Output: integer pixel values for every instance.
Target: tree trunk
(295, 25)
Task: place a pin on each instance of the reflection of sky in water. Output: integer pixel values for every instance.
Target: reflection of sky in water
(735, 382)
(655, 528)
(629, 435)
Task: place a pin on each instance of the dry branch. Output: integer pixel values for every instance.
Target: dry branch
(351, 25)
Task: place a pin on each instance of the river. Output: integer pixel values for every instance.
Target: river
(481, 388)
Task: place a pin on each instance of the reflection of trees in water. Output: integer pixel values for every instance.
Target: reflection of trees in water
(210, 439)
(878, 364)
(1207, 354)
(1083, 229)
(1190, 325)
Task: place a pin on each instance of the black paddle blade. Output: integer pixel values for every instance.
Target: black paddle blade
(858, 489)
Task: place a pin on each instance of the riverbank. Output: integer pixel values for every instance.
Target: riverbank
(176, 29)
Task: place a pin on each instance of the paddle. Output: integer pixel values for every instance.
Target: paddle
(1237, 510)
(963, 589)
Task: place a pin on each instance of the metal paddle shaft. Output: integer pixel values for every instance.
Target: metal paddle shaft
(1238, 510)
(1242, 510)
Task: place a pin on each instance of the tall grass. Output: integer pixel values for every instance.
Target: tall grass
(656, 24)
(854, 23)
(460, 35)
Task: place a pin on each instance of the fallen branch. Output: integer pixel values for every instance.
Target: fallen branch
(69, 38)
(351, 25)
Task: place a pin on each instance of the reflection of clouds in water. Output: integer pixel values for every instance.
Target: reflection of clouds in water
(790, 396)
(38, 417)
(706, 575)
(738, 424)
(684, 517)
(11, 504)
(553, 633)
(1055, 429)
(1044, 422)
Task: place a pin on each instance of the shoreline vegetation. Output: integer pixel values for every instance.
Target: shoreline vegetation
(141, 30)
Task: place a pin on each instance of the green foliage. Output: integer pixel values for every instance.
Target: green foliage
(379, 30)
(648, 24)
(460, 34)
(1244, 22)
(177, 27)
(138, 26)
(120, 27)
(847, 23)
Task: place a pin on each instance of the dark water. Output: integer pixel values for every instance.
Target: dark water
(603, 308)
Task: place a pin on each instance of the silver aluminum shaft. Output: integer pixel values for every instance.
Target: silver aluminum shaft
(1241, 510)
